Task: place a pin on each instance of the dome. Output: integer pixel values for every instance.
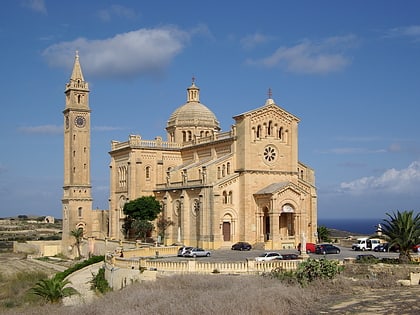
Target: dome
(193, 113)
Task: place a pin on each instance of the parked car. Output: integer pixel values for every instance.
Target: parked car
(310, 248)
(416, 248)
(289, 256)
(366, 243)
(241, 246)
(182, 250)
(326, 249)
(268, 256)
(383, 247)
(197, 252)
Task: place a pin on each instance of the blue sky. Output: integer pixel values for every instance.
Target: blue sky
(350, 70)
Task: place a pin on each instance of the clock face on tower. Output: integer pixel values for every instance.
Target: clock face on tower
(80, 121)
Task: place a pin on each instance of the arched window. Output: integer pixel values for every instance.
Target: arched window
(218, 172)
(225, 197)
(147, 172)
(228, 168)
(280, 135)
(258, 131)
(230, 196)
(223, 170)
(79, 212)
(184, 136)
(270, 128)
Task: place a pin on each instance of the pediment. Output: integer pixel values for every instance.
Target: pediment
(280, 189)
(270, 111)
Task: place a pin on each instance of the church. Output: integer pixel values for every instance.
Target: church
(217, 187)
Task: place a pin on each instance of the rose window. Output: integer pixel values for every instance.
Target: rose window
(270, 154)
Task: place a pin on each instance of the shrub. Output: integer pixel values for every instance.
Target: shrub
(313, 269)
(78, 266)
(308, 271)
(99, 283)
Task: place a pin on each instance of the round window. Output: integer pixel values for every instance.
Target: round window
(270, 153)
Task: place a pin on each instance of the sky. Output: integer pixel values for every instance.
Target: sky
(350, 70)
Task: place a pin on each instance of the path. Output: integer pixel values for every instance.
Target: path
(80, 280)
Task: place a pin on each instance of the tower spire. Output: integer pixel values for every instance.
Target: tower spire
(77, 69)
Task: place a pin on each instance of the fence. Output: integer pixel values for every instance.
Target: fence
(200, 267)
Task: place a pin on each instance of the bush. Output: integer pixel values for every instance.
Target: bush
(99, 283)
(78, 266)
(308, 271)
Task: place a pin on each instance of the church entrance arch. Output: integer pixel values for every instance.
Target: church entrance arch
(226, 231)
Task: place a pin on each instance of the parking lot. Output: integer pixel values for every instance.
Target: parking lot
(233, 255)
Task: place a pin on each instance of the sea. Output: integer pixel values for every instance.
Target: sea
(355, 226)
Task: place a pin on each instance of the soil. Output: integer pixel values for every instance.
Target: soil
(11, 263)
(403, 300)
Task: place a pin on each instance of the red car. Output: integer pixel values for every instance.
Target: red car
(416, 248)
(310, 248)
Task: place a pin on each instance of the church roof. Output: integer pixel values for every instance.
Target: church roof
(272, 188)
(193, 113)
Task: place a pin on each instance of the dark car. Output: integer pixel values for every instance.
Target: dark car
(384, 247)
(326, 249)
(241, 246)
(289, 257)
(381, 247)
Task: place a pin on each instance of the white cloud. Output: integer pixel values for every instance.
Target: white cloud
(117, 11)
(253, 40)
(408, 31)
(310, 57)
(44, 129)
(35, 5)
(391, 181)
(140, 52)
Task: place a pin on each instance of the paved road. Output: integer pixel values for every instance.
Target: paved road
(232, 255)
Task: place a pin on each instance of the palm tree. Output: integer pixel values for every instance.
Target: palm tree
(78, 235)
(403, 230)
(53, 290)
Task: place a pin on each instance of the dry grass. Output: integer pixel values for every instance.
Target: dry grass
(194, 294)
(226, 294)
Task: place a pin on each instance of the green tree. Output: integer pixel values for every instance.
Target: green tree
(144, 208)
(323, 234)
(53, 290)
(142, 228)
(403, 230)
(78, 236)
(162, 224)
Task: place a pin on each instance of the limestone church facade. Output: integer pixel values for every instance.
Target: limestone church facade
(217, 187)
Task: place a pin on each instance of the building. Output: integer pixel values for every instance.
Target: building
(77, 197)
(245, 184)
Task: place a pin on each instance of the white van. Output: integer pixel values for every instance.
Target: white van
(366, 243)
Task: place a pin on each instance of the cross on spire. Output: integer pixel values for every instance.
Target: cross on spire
(270, 93)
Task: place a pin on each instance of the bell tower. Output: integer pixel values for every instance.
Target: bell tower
(77, 198)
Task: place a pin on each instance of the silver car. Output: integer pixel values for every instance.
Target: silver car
(268, 256)
(197, 252)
